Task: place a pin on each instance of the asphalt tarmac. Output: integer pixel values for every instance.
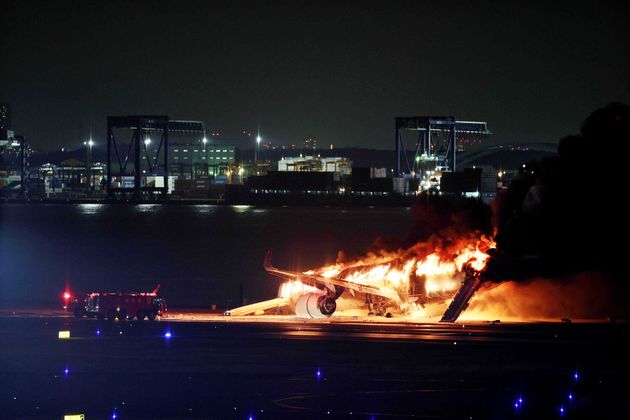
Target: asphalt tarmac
(207, 366)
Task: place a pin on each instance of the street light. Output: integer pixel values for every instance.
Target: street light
(204, 141)
(258, 140)
(88, 150)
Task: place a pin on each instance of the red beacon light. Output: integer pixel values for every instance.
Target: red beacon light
(66, 299)
(67, 295)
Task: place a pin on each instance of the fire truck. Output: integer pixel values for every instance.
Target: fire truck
(120, 305)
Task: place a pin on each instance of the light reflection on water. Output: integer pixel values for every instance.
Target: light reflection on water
(241, 209)
(205, 208)
(91, 208)
(147, 208)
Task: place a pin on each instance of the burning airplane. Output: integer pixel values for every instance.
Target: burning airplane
(387, 283)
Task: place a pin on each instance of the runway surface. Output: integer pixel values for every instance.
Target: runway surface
(281, 367)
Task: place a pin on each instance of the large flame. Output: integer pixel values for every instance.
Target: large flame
(427, 275)
(585, 295)
(424, 272)
(293, 288)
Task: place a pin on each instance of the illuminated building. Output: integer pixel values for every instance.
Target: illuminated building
(315, 164)
(202, 154)
(5, 122)
(5, 117)
(192, 160)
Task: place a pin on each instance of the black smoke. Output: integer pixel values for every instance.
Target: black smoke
(568, 213)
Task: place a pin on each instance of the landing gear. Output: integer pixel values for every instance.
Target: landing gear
(376, 306)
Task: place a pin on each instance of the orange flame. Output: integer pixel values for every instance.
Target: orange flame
(581, 296)
(414, 274)
(427, 275)
(290, 289)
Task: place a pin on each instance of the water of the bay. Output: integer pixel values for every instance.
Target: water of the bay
(200, 254)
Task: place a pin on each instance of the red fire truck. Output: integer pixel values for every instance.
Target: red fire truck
(120, 305)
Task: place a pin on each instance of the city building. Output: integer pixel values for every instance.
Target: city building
(193, 160)
(5, 124)
(5, 117)
(196, 154)
(13, 154)
(476, 182)
(340, 165)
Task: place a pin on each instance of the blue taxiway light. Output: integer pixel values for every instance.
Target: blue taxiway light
(98, 332)
(576, 376)
(167, 334)
(570, 396)
(562, 411)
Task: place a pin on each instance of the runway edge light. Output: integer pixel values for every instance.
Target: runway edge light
(64, 334)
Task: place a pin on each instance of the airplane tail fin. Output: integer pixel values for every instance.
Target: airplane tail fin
(156, 289)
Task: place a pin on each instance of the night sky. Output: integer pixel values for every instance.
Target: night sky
(337, 71)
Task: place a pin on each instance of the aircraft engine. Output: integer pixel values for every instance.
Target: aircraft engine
(315, 305)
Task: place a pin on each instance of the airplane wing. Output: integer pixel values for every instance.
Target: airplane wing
(315, 278)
